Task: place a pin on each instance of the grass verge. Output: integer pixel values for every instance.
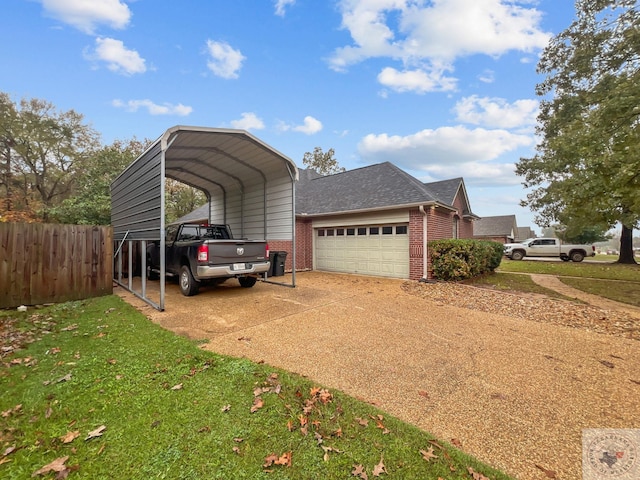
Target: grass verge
(607, 271)
(93, 390)
(624, 292)
(512, 282)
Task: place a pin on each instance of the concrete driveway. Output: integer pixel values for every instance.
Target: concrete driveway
(515, 393)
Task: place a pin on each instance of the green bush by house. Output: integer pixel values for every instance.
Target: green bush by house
(462, 259)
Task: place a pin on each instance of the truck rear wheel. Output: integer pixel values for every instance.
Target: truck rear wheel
(188, 285)
(517, 255)
(247, 282)
(577, 257)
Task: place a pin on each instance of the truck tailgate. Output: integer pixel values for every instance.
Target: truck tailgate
(225, 252)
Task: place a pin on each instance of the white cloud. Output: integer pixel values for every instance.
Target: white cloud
(497, 112)
(487, 76)
(476, 173)
(417, 81)
(249, 121)
(430, 149)
(431, 38)
(118, 58)
(281, 5)
(224, 61)
(86, 15)
(309, 127)
(153, 108)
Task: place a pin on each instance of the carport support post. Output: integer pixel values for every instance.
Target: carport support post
(143, 267)
(162, 225)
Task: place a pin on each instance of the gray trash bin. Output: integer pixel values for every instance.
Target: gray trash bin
(277, 263)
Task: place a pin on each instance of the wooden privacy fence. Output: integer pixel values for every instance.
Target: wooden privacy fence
(47, 263)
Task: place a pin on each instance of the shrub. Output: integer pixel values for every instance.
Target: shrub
(461, 259)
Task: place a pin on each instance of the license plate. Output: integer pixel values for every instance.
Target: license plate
(239, 266)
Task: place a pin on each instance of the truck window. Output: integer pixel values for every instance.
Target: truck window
(188, 233)
(215, 232)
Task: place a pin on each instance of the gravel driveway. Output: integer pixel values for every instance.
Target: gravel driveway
(514, 387)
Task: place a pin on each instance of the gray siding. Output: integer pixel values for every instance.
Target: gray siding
(135, 199)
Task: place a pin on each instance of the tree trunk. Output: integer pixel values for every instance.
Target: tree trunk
(626, 246)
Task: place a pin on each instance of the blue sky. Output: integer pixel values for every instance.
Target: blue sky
(441, 88)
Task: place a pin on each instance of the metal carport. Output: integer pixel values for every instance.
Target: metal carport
(249, 186)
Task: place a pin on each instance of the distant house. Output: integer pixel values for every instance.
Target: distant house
(374, 220)
(524, 233)
(501, 228)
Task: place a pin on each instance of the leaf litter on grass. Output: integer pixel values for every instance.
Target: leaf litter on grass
(311, 418)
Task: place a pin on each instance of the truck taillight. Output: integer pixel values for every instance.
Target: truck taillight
(266, 251)
(203, 253)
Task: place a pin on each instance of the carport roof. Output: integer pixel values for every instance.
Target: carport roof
(196, 155)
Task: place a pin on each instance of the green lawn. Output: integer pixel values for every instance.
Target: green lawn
(604, 270)
(511, 282)
(107, 394)
(625, 292)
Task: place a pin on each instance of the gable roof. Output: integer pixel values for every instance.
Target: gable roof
(445, 190)
(368, 188)
(524, 233)
(499, 226)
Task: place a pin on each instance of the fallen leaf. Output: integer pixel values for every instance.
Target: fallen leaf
(290, 426)
(177, 387)
(379, 469)
(205, 429)
(226, 408)
(547, 472)
(606, 363)
(428, 454)
(96, 433)
(476, 475)
(56, 466)
(273, 459)
(423, 393)
(70, 436)
(236, 450)
(9, 451)
(285, 459)
(112, 361)
(257, 404)
(238, 440)
(338, 433)
(53, 351)
(66, 378)
(456, 442)
(363, 421)
(48, 413)
(358, 471)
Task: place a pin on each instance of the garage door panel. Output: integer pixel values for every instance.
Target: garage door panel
(370, 254)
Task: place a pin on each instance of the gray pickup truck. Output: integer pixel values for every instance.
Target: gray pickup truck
(208, 254)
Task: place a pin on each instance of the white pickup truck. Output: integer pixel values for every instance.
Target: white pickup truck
(548, 247)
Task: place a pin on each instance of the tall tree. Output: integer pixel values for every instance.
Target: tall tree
(181, 199)
(587, 168)
(322, 162)
(43, 151)
(90, 202)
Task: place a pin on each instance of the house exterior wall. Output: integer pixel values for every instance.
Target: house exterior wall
(439, 226)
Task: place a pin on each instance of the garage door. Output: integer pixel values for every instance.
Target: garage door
(380, 250)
